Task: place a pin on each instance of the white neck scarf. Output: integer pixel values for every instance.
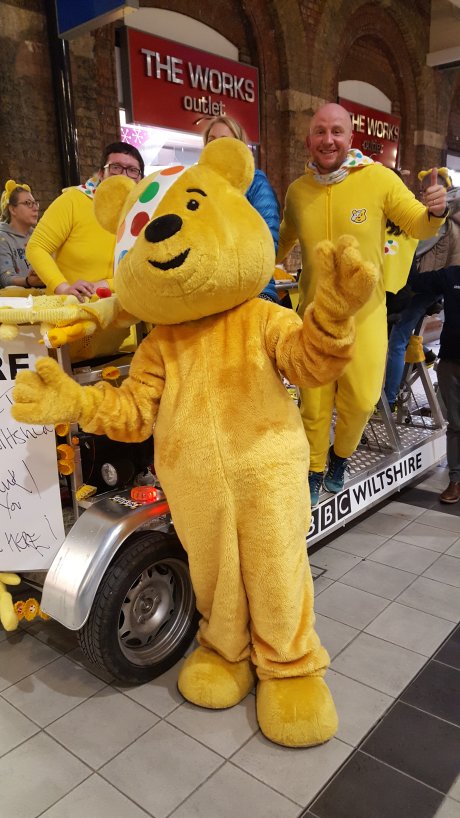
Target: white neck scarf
(354, 159)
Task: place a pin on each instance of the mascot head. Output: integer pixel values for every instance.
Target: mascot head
(189, 244)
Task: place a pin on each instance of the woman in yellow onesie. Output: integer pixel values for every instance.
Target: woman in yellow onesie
(69, 250)
(342, 192)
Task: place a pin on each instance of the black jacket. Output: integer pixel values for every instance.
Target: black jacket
(447, 283)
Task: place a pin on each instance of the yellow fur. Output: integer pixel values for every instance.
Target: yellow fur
(8, 617)
(230, 450)
(208, 680)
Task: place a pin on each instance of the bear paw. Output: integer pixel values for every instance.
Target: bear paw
(296, 712)
(209, 680)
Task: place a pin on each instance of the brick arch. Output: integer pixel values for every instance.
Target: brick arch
(267, 35)
(399, 39)
(453, 126)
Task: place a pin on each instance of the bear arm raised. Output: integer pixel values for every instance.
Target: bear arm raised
(317, 352)
(309, 354)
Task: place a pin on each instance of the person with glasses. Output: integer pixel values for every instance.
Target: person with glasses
(69, 250)
(18, 217)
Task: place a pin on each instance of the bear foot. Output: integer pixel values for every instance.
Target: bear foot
(296, 712)
(209, 680)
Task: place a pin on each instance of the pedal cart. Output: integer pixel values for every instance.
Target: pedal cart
(82, 518)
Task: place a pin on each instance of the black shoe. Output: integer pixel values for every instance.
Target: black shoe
(335, 476)
(315, 482)
(430, 357)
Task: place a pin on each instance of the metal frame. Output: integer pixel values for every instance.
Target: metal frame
(389, 448)
(80, 564)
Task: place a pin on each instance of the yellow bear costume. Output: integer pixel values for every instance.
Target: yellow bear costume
(230, 450)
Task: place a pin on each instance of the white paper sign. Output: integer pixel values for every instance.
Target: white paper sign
(31, 523)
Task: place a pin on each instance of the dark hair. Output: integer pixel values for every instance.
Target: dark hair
(122, 147)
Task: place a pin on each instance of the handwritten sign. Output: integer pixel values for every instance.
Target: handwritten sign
(31, 524)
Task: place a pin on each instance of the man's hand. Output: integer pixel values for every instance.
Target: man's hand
(79, 288)
(46, 396)
(435, 196)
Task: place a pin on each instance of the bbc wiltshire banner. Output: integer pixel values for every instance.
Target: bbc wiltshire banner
(331, 514)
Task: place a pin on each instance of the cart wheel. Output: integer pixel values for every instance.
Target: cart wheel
(143, 616)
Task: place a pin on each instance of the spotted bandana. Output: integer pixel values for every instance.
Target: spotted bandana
(354, 159)
(90, 186)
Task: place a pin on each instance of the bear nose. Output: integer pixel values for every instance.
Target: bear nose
(163, 228)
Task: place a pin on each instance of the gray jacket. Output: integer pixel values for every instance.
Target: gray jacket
(12, 254)
(442, 250)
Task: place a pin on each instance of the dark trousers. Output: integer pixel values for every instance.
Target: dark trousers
(449, 384)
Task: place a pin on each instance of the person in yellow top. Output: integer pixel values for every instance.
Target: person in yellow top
(69, 250)
(345, 192)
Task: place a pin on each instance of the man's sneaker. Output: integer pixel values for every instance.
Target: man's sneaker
(315, 481)
(430, 357)
(335, 475)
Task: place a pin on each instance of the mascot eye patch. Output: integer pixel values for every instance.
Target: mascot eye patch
(172, 263)
(193, 204)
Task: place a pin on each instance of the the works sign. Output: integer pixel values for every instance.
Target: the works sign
(171, 85)
(376, 133)
(332, 514)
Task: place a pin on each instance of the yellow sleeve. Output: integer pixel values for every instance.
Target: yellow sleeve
(127, 413)
(406, 211)
(50, 234)
(288, 230)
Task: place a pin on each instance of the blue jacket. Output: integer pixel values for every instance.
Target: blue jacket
(262, 197)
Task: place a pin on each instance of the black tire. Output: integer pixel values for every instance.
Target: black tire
(143, 617)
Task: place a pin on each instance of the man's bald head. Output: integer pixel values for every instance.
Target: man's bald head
(330, 137)
(331, 112)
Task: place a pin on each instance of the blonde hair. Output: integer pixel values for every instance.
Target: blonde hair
(10, 197)
(232, 124)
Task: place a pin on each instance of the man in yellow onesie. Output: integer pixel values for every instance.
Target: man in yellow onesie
(341, 192)
(69, 250)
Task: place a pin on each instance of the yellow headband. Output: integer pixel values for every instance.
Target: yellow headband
(442, 172)
(9, 187)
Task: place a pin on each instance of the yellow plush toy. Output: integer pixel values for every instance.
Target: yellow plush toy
(8, 616)
(230, 450)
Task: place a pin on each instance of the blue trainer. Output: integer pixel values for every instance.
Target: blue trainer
(335, 476)
(315, 481)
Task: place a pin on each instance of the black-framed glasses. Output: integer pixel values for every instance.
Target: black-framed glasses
(115, 169)
(30, 203)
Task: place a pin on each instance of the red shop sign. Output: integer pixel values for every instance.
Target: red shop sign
(171, 85)
(375, 133)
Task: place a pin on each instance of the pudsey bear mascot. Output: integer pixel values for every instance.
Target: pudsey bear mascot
(230, 449)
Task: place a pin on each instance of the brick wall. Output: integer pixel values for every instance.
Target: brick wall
(28, 138)
(95, 95)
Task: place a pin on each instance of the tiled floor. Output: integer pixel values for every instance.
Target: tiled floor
(75, 745)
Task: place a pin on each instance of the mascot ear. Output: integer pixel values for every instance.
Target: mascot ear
(109, 199)
(231, 159)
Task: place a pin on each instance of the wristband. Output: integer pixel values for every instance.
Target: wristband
(443, 215)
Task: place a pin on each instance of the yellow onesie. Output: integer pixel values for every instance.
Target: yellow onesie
(359, 205)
